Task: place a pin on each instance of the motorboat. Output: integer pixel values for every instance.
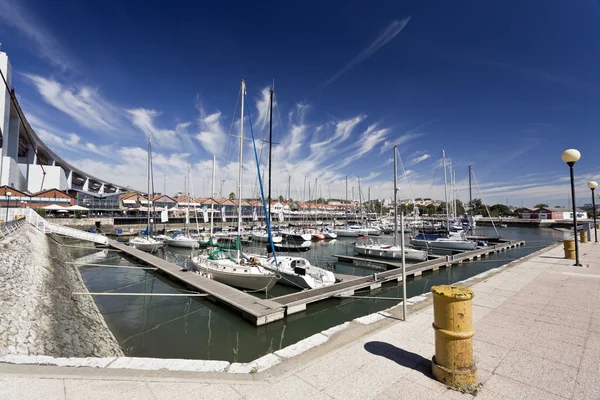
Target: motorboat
(238, 271)
(369, 248)
(456, 241)
(316, 235)
(264, 237)
(298, 272)
(296, 235)
(146, 244)
(180, 240)
(290, 246)
(329, 234)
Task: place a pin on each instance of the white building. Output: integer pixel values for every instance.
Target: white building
(26, 163)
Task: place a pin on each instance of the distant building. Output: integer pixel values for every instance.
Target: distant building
(549, 213)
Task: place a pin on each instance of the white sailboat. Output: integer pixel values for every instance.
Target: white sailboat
(233, 268)
(147, 243)
(298, 272)
(183, 239)
(369, 248)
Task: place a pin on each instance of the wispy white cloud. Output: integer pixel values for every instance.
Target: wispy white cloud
(400, 140)
(212, 136)
(143, 119)
(367, 141)
(388, 34)
(419, 159)
(82, 103)
(15, 14)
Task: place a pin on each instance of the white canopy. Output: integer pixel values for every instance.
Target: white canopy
(53, 207)
(77, 208)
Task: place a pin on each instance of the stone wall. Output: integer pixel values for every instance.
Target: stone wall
(37, 314)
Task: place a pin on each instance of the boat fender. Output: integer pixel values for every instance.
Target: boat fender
(209, 275)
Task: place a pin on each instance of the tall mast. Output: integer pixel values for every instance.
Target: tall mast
(148, 203)
(289, 187)
(395, 201)
(360, 202)
(470, 194)
(445, 188)
(270, 144)
(345, 209)
(239, 227)
(188, 196)
(455, 192)
(212, 196)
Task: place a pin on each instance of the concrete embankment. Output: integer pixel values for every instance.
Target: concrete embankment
(37, 314)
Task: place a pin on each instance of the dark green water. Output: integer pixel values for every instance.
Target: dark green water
(196, 328)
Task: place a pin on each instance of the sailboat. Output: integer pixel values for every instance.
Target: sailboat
(294, 271)
(445, 241)
(183, 239)
(147, 243)
(367, 247)
(233, 267)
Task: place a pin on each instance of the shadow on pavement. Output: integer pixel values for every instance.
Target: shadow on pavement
(400, 356)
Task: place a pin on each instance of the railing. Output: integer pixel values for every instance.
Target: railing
(46, 227)
(6, 228)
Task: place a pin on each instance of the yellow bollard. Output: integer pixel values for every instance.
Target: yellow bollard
(453, 325)
(583, 236)
(569, 246)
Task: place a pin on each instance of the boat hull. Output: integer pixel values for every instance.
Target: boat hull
(410, 255)
(147, 247)
(188, 244)
(446, 245)
(253, 282)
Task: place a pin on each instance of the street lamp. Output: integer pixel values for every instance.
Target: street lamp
(8, 194)
(593, 185)
(570, 157)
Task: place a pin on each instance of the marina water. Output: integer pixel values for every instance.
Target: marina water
(197, 328)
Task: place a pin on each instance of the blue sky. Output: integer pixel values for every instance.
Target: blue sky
(505, 86)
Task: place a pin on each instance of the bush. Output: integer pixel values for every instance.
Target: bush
(78, 214)
(41, 212)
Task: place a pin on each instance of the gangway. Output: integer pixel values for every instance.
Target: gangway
(47, 227)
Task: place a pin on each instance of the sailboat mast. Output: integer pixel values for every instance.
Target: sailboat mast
(148, 203)
(270, 144)
(470, 193)
(360, 210)
(212, 196)
(188, 198)
(239, 227)
(454, 179)
(445, 188)
(395, 200)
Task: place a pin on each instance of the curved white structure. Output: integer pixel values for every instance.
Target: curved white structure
(27, 163)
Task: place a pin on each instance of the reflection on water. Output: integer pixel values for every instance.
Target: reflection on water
(196, 328)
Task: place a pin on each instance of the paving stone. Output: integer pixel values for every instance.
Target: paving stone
(76, 389)
(192, 391)
(19, 388)
(290, 388)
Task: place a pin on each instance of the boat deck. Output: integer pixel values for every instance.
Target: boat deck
(252, 308)
(297, 302)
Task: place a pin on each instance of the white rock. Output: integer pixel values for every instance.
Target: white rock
(155, 364)
(372, 318)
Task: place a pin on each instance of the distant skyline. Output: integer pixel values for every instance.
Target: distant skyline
(504, 86)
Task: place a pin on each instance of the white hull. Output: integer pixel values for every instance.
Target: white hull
(392, 252)
(347, 233)
(330, 235)
(188, 243)
(265, 238)
(298, 272)
(243, 278)
(146, 245)
(446, 244)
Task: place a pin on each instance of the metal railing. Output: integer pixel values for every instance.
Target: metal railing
(6, 228)
(46, 227)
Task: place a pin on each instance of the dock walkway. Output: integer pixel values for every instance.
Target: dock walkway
(297, 302)
(257, 310)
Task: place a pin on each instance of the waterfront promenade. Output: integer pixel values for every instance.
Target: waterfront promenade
(537, 325)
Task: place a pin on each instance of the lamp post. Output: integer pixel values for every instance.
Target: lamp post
(8, 194)
(570, 157)
(593, 185)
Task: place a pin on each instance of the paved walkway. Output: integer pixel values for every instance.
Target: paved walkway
(537, 337)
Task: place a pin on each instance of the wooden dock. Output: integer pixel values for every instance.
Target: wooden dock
(257, 310)
(297, 302)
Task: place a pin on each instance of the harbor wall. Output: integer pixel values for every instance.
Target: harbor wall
(37, 314)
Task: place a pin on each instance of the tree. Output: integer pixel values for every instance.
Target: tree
(541, 205)
(281, 199)
(231, 196)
